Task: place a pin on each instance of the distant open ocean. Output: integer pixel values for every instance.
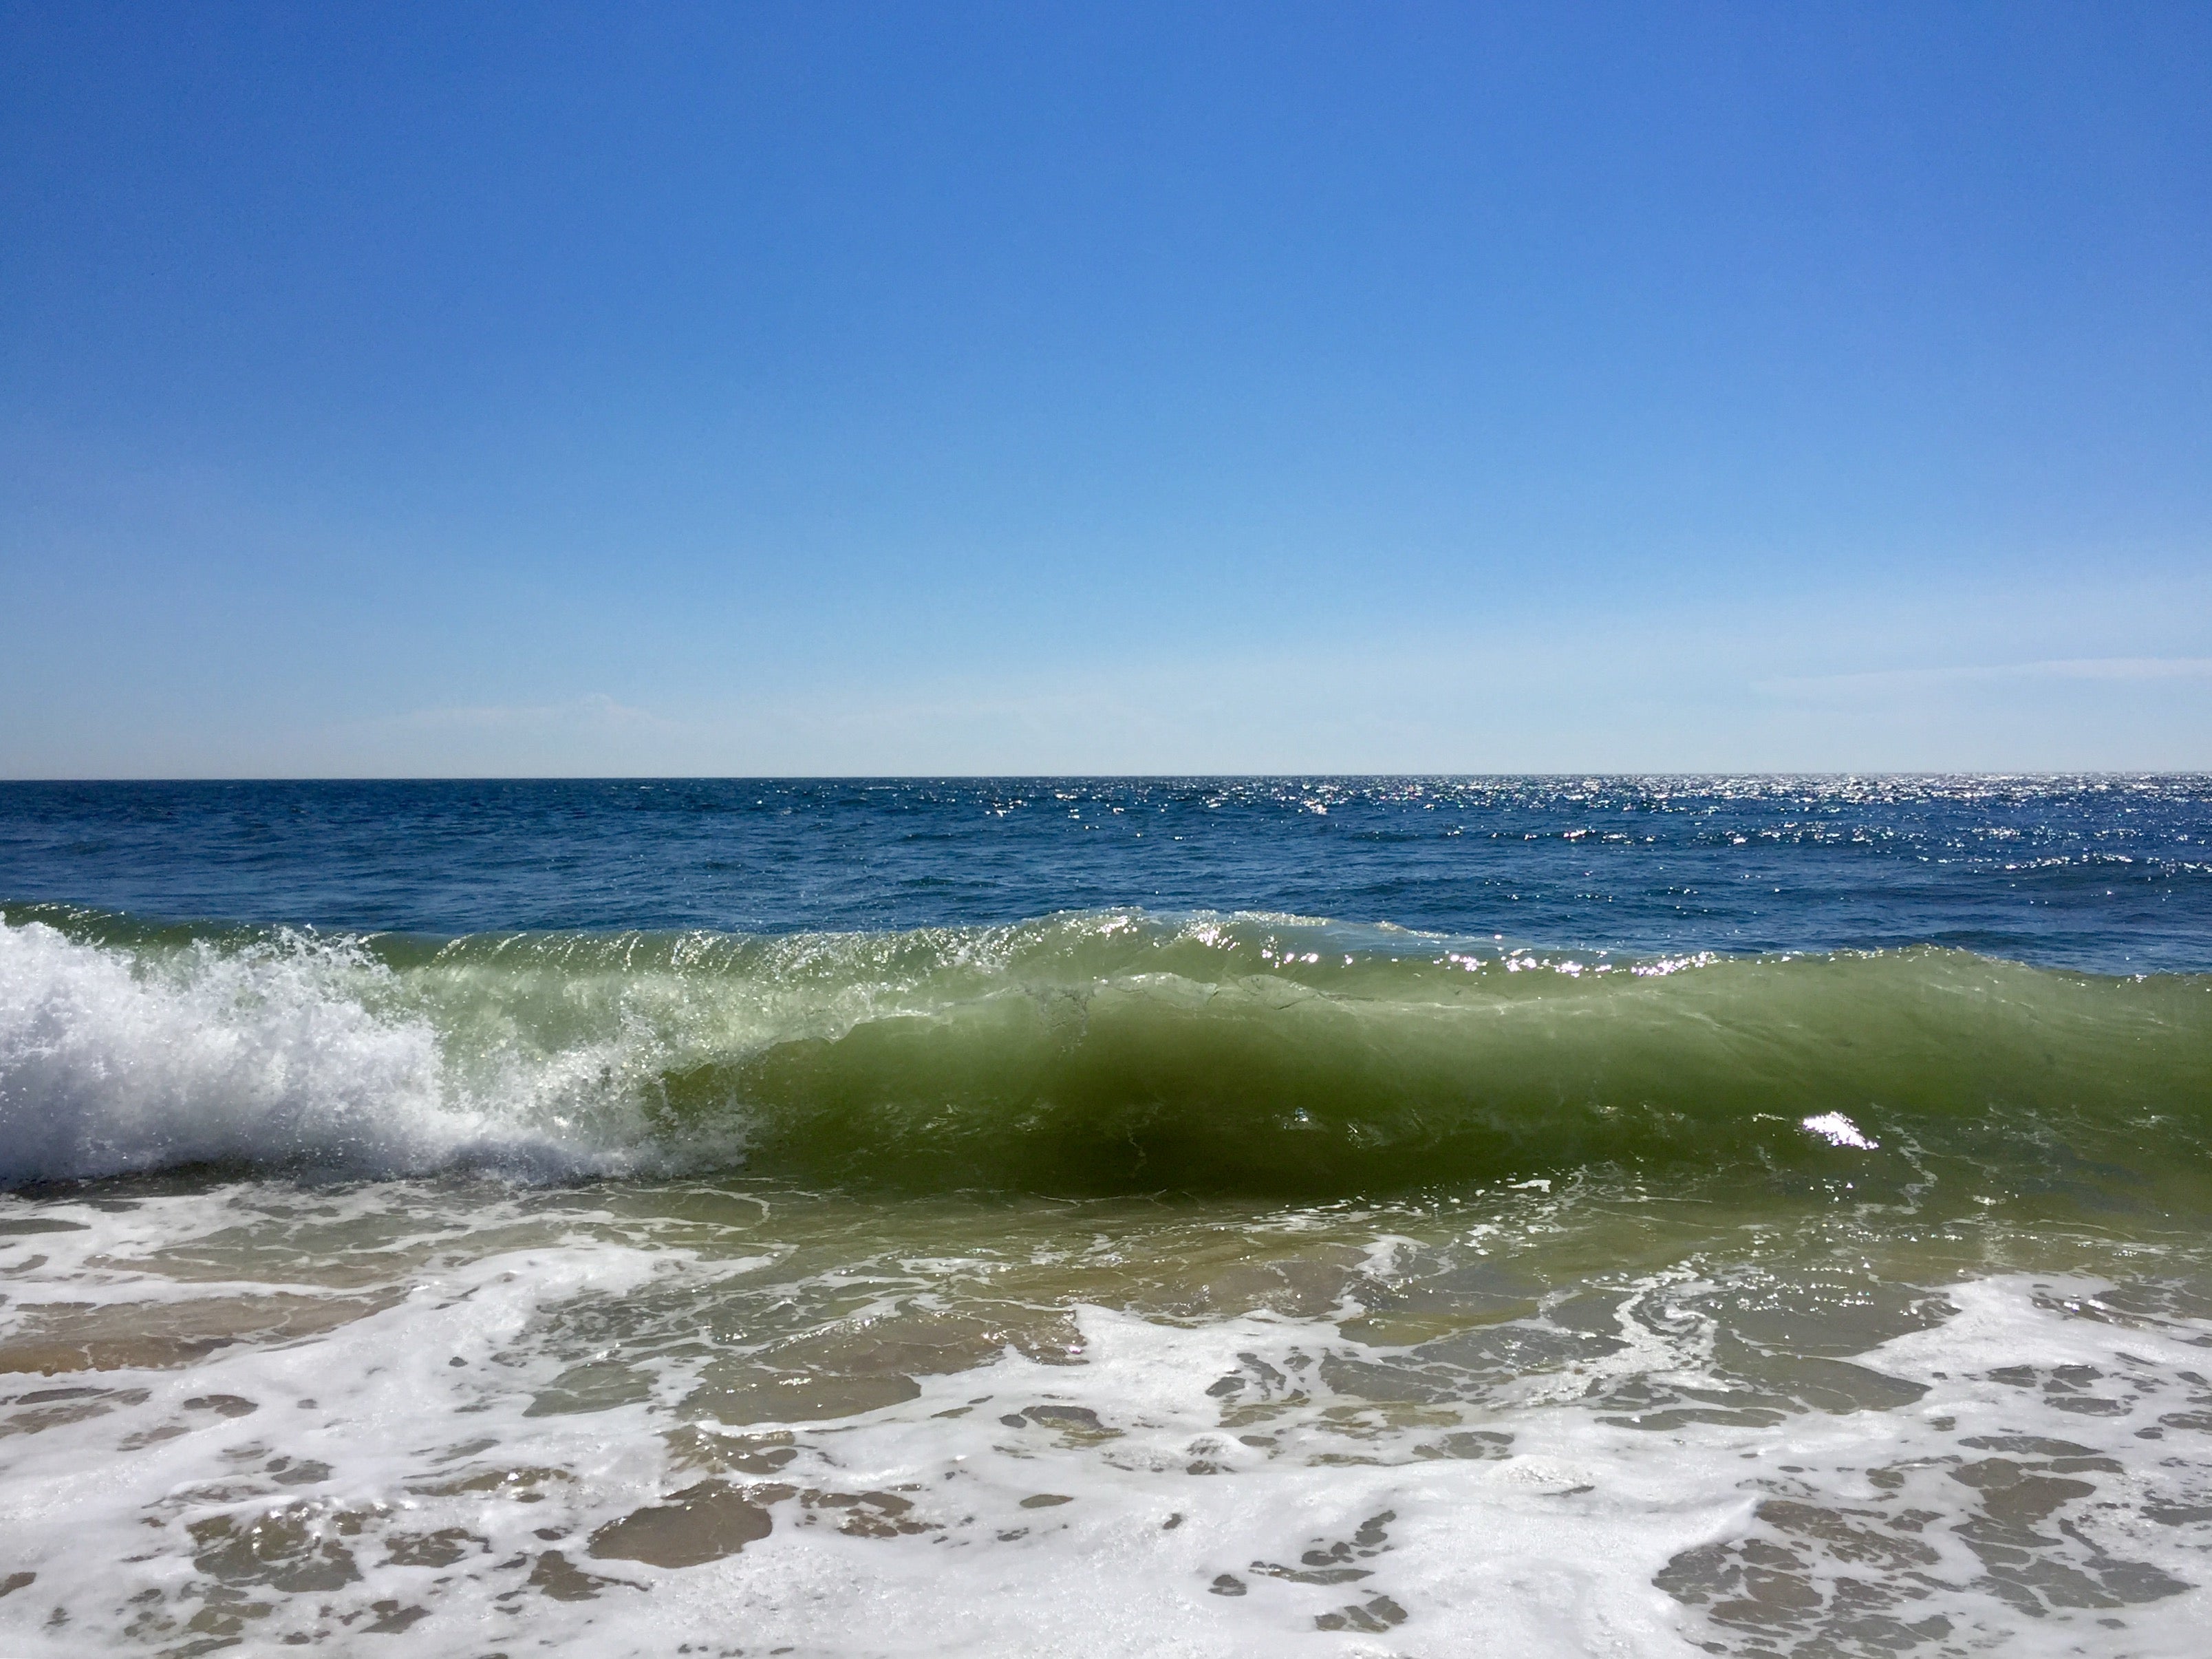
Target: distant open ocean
(1410, 1217)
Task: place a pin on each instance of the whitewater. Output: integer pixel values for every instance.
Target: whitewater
(1382, 1217)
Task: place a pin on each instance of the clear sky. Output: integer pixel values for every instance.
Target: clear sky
(901, 388)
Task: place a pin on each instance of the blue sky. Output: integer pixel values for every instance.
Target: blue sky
(895, 389)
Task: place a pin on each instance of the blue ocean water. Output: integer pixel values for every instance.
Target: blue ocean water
(2108, 874)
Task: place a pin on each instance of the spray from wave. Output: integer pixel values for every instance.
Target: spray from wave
(285, 1051)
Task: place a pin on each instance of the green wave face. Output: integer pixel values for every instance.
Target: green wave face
(1385, 1074)
(1116, 1051)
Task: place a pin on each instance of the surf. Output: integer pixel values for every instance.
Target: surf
(1082, 1053)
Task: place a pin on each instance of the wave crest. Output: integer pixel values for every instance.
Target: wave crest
(1093, 1052)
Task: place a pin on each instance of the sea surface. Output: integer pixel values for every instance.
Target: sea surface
(1389, 1217)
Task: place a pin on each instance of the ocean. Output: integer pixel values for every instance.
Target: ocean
(1413, 1217)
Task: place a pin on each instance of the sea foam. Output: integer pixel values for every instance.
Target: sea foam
(274, 1054)
(473, 1436)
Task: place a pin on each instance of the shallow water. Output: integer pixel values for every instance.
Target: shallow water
(724, 1415)
(1118, 1280)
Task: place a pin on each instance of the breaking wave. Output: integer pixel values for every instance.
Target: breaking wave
(1090, 1052)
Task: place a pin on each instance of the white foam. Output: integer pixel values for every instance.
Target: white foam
(277, 1053)
(1839, 1130)
(1546, 1545)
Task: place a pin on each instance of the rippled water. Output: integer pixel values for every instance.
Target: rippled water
(2104, 873)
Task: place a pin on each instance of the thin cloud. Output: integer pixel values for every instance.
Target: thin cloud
(1902, 681)
(594, 713)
